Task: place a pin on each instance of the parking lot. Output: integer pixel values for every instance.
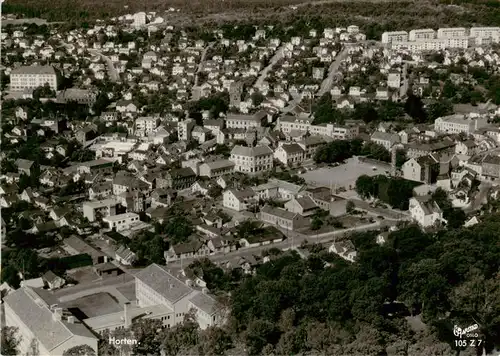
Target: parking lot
(342, 176)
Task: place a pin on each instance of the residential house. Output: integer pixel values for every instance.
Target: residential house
(385, 139)
(422, 169)
(425, 211)
(290, 154)
(239, 200)
(52, 281)
(344, 249)
(216, 168)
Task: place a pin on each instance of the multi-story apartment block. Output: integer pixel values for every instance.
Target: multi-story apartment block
(396, 36)
(184, 129)
(234, 121)
(458, 123)
(287, 124)
(486, 32)
(31, 77)
(452, 32)
(422, 34)
(252, 159)
(93, 209)
(146, 125)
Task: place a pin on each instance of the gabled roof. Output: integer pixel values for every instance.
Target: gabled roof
(251, 151)
(32, 307)
(164, 283)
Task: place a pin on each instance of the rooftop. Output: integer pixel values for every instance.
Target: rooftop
(163, 282)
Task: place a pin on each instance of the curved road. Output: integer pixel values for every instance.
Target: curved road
(112, 72)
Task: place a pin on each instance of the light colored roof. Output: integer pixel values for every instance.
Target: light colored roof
(100, 203)
(33, 70)
(240, 117)
(81, 246)
(251, 151)
(224, 163)
(204, 303)
(164, 283)
(120, 217)
(116, 319)
(34, 312)
(385, 136)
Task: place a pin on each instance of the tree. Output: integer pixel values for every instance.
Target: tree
(365, 187)
(9, 341)
(316, 223)
(259, 334)
(80, 350)
(350, 207)
(145, 331)
(214, 341)
(415, 108)
(181, 338)
(11, 276)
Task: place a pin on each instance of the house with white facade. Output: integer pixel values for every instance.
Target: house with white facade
(252, 159)
(238, 200)
(425, 211)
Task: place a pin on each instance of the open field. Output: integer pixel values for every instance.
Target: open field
(344, 175)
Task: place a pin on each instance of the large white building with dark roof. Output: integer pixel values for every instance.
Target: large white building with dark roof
(39, 320)
(252, 159)
(155, 285)
(31, 77)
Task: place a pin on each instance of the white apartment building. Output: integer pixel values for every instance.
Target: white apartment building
(458, 123)
(121, 222)
(39, 320)
(451, 32)
(422, 34)
(31, 77)
(184, 129)
(287, 124)
(395, 36)
(234, 121)
(486, 32)
(252, 159)
(106, 207)
(146, 125)
(140, 19)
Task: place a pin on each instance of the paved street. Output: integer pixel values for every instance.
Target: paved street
(263, 74)
(112, 72)
(293, 239)
(326, 85)
(202, 61)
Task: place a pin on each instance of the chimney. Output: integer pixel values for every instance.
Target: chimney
(126, 316)
(71, 319)
(57, 314)
(204, 290)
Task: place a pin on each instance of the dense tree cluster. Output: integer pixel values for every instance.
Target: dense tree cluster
(394, 191)
(340, 150)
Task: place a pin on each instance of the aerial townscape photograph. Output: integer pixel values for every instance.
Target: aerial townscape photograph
(250, 177)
